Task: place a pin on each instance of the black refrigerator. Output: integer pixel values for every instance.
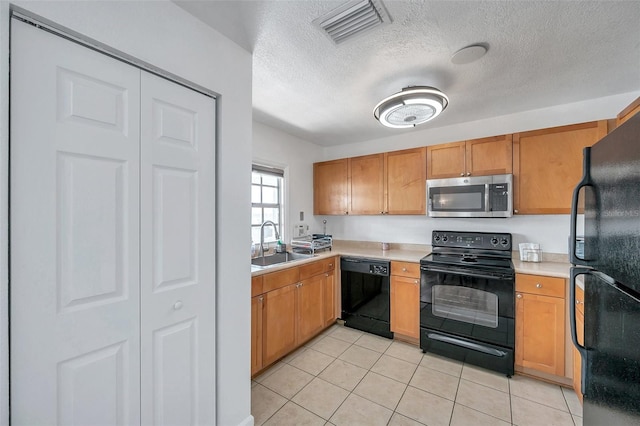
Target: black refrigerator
(609, 266)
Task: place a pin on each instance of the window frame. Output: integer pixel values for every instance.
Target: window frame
(278, 173)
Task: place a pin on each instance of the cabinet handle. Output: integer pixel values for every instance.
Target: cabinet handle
(468, 173)
(331, 265)
(178, 305)
(462, 174)
(346, 212)
(260, 299)
(519, 296)
(416, 282)
(298, 285)
(515, 211)
(381, 212)
(404, 269)
(578, 302)
(538, 285)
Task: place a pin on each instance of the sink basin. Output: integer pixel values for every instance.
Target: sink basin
(278, 258)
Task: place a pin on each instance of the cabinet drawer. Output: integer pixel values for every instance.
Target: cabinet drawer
(280, 279)
(405, 269)
(256, 286)
(580, 300)
(316, 268)
(537, 284)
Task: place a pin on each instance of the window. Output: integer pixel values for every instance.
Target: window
(266, 201)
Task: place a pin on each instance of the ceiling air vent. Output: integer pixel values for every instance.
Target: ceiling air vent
(352, 19)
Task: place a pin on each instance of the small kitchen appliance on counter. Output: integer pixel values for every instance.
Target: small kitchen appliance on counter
(467, 303)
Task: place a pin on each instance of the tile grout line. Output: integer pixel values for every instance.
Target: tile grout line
(455, 397)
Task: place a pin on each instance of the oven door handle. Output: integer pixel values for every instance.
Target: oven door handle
(468, 273)
(469, 345)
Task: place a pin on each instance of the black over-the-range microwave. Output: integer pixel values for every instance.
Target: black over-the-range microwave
(472, 196)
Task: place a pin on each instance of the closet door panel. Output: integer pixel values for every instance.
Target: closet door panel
(177, 239)
(74, 233)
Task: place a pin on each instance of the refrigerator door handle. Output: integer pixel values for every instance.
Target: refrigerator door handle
(574, 333)
(586, 181)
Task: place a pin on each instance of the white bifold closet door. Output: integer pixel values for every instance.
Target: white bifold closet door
(111, 240)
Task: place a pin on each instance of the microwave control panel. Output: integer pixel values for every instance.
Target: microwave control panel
(477, 240)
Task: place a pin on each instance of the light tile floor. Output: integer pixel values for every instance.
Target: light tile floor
(347, 377)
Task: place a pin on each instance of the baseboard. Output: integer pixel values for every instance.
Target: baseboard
(247, 422)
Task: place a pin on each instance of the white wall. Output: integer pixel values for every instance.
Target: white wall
(551, 231)
(296, 156)
(165, 36)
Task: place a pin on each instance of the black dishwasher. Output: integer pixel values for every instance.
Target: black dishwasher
(365, 295)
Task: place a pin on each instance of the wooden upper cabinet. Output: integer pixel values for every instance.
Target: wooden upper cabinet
(330, 187)
(489, 156)
(406, 174)
(445, 160)
(477, 157)
(547, 165)
(367, 184)
(628, 112)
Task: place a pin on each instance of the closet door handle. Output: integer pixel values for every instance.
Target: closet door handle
(178, 305)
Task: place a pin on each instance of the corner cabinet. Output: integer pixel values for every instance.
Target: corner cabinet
(540, 323)
(330, 187)
(296, 304)
(405, 299)
(547, 166)
(477, 157)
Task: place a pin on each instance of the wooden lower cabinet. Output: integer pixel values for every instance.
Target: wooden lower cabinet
(405, 299)
(290, 313)
(256, 334)
(577, 358)
(278, 323)
(310, 308)
(540, 324)
(329, 297)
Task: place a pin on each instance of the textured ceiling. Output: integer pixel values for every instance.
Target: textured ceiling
(541, 53)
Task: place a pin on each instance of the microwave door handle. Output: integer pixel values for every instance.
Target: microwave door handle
(586, 181)
(487, 206)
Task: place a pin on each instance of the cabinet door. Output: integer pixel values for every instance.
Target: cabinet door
(547, 165)
(330, 298)
(405, 306)
(406, 181)
(445, 160)
(310, 305)
(330, 189)
(367, 184)
(256, 334)
(489, 156)
(278, 323)
(540, 333)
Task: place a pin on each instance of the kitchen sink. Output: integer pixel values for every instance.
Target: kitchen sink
(278, 258)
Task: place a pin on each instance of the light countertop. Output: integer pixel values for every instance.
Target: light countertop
(413, 253)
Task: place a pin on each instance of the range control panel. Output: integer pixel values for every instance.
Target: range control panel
(477, 240)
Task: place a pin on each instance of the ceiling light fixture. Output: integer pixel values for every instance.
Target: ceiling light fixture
(412, 106)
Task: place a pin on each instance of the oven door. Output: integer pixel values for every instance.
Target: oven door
(469, 303)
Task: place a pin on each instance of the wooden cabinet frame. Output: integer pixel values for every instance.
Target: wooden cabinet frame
(476, 157)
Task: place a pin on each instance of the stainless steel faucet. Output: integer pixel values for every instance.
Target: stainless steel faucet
(275, 228)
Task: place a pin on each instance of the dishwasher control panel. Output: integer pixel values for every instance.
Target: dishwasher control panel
(379, 269)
